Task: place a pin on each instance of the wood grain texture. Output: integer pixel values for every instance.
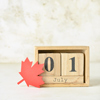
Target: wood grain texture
(56, 59)
(63, 79)
(66, 63)
(66, 49)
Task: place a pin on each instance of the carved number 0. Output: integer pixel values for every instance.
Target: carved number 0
(46, 64)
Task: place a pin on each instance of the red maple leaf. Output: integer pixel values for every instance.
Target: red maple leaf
(30, 73)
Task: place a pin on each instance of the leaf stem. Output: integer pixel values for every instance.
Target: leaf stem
(20, 81)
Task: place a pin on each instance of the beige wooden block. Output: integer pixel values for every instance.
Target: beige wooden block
(63, 79)
(56, 63)
(64, 49)
(72, 63)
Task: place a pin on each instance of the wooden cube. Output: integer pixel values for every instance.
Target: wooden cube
(51, 63)
(72, 64)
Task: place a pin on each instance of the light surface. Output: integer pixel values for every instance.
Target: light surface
(9, 90)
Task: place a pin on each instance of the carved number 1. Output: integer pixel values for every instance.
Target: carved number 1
(73, 65)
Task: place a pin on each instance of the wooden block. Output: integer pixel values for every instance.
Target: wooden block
(63, 79)
(72, 63)
(65, 49)
(51, 63)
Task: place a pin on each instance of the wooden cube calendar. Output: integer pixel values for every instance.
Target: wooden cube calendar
(64, 65)
(52, 63)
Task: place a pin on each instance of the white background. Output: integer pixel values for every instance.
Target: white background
(28, 23)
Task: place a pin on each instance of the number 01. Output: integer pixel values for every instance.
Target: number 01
(52, 64)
